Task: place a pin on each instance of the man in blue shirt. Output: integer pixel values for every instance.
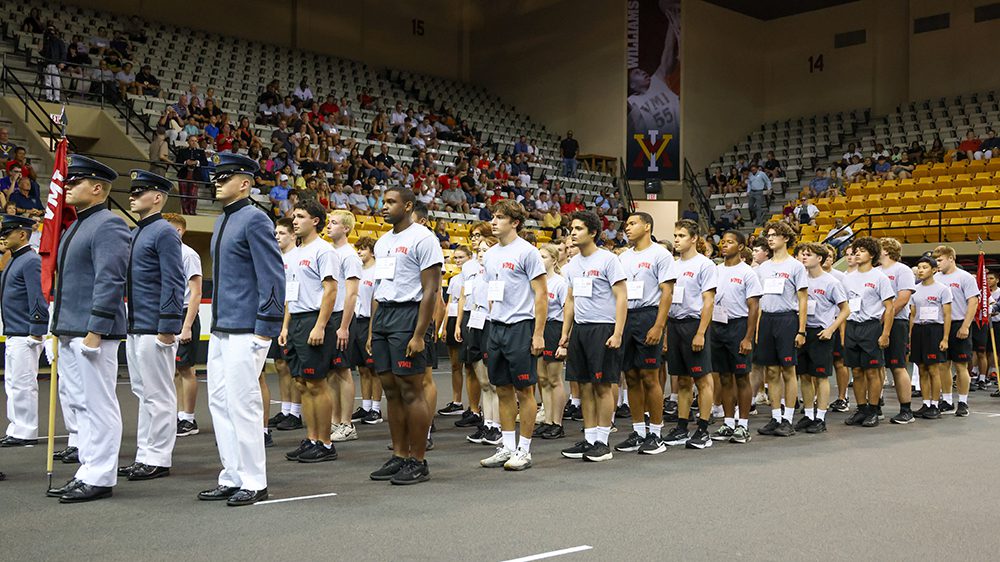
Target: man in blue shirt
(757, 183)
(25, 200)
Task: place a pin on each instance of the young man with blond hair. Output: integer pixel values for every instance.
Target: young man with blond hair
(348, 275)
(903, 284)
(965, 300)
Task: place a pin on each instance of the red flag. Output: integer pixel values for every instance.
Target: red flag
(983, 314)
(58, 217)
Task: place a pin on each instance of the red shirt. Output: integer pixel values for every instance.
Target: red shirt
(497, 196)
(328, 108)
(223, 143)
(483, 164)
(567, 208)
(968, 145)
(444, 181)
(25, 169)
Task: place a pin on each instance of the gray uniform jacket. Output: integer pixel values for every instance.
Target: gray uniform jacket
(155, 283)
(248, 276)
(24, 310)
(90, 286)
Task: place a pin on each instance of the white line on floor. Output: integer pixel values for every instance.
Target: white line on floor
(282, 500)
(551, 554)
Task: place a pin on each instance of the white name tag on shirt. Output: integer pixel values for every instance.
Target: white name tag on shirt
(635, 289)
(811, 308)
(495, 292)
(928, 313)
(719, 315)
(453, 309)
(477, 319)
(291, 291)
(854, 304)
(774, 286)
(678, 296)
(385, 267)
(583, 287)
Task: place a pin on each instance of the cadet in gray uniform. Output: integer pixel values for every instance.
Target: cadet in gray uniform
(248, 296)
(25, 320)
(88, 317)
(155, 291)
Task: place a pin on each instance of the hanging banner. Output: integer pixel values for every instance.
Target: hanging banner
(654, 86)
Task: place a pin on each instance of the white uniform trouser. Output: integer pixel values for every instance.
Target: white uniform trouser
(151, 372)
(235, 362)
(21, 383)
(90, 382)
(69, 390)
(52, 82)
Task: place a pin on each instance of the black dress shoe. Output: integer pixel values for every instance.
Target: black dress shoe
(127, 469)
(86, 493)
(59, 455)
(246, 497)
(15, 442)
(148, 472)
(72, 457)
(58, 492)
(218, 493)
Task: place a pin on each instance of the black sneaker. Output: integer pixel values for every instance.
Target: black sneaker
(358, 414)
(630, 444)
(451, 409)
(803, 423)
(840, 405)
(669, 411)
(319, 453)
(916, 393)
(769, 427)
(599, 452)
(577, 414)
(878, 412)
(540, 430)
(753, 410)
(304, 446)
(817, 426)
(784, 429)
(554, 432)
(623, 412)
(290, 423)
(903, 418)
(568, 410)
(932, 413)
(434, 428)
(470, 419)
(871, 418)
(412, 472)
(493, 437)
(920, 413)
(945, 407)
(980, 385)
(576, 451)
(268, 440)
(677, 436)
(962, 410)
(275, 420)
(430, 445)
(477, 437)
(699, 440)
(389, 469)
(856, 418)
(995, 394)
(185, 428)
(373, 417)
(652, 445)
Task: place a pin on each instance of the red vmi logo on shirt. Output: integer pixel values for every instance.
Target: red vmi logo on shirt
(870, 285)
(591, 273)
(954, 285)
(402, 250)
(304, 263)
(736, 280)
(552, 296)
(932, 299)
(645, 265)
(688, 274)
(783, 275)
(507, 265)
(819, 292)
(369, 283)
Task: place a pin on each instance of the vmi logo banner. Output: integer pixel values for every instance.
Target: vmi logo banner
(653, 135)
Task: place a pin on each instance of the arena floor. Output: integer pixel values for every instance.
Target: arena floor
(891, 493)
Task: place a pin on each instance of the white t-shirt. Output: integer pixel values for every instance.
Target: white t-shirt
(736, 284)
(557, 297)
(400, 258)
(309, 266)
(692, 278)
(901, 278)
(366, 288)
(929, 301)
(645, 271)
(657, 108)
(471, 272)
(340, 200)
(781, 282)
(866, 294)
(192, 268)
(594, 275)
(509, 272)
(350, 268)
(455, 285)
(825, 296)
(963, 287)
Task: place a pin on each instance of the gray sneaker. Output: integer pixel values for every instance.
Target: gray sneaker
(498, 459)
(740, 435)
(724, 433)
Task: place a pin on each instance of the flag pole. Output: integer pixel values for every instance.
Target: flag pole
(53, 383)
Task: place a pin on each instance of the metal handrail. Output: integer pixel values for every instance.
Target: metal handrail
(30, 104)
(691, 182)
(626, 188)
(871, 218)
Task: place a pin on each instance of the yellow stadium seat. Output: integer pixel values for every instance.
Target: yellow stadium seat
(855, 189)
(968, 194)
(889, 200)
(993, 165)
(956, 168)
(921, 171)
(939, 168)
(975, 166)
(947, 196)
(838, 203)
(916, 231)
(924, 184)
(961, 180)
(856, 202)
(980, 179)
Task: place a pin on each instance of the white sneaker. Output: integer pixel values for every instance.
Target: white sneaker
(761, 399)
(540, 416)
(520, 460)
(346, 432)
(498, 459)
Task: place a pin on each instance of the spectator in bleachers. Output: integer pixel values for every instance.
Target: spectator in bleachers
(853, 170)
(521, 146)
(358, 202)
(365, 99)
(569, 149)
(114, 60)
(879, 151)
(839, 235)
(53, 61)
(6, 147)
(346, 113)
(76, 69)
(189, 176)
(690, 213)
(989, 146)
(425, 194)
(194, 96)
(772, 166)
(821, 182)
(120, 44)
(904, 168)
(883, 168)
(149, 84)
(735, 182)
(302, 94)
(915, 152)
(896, 155)
(278, 195)
(729, 218)
(398, 116)
(20, 161)
(159, 153)
(936, 152)
(852, 151)
(454, 198)
(8, 183)
(27, 201)
(32, 23)
(379, 128)
(172, 124)
(126, 81)
(552, 218)
(191, 128)
(968, 147)
(99, 42)
(212, 128)
(137, 30)
(757, 183)
(265, 178)
(224, 140)
(806, 212)
(339, 199)
(209, 110)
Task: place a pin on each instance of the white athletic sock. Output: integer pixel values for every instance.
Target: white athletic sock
(673, 397)
(963, 398)
(820, 414)
(736, 414)
(639, 428)
(743, 422)
(286, 408)
(949, 398)
(377, 406)
(574, 401)
(509, 440)
(622, 397)
(655, 428)
(267, 430)
(776, 414)
(782, 402)
(934, 403)
(428, 433)
(590, 434)
(927, 403)
(730, 423)
(974, 371)
(296, 409)
(524, 444)
(366, 405)
(810, 414)
(185, 416)
(603, 433)
(717, 411)
(787, 415)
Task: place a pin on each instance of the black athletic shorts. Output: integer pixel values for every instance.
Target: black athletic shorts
(275, 351)
(187, 353)
(980, 337)
(776, 339)
(588, 359)
(899, 342)
(725, 342)
(357, 356)
(304, 360)
(996, 335)
(816, 356)
(861, 350)
(959, 351)
(553, 333)
(449, 332)
(838, 347)
(473, 343)
(925, 344)
(683, 361)
(392, 329)
(635, 353)
(508, 354)
(339, 359)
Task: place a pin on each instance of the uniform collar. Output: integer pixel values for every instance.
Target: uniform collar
(149, 220)
(80, 215)
(21, 251)
(236, 205)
